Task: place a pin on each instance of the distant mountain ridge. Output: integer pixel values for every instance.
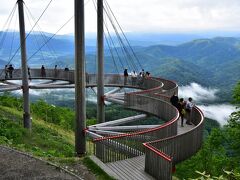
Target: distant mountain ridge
(207, 61)
(210, 62)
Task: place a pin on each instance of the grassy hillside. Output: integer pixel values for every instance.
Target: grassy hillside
(49, 139)
(52, 136)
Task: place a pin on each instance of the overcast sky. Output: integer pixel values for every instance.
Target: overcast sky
(138, 15)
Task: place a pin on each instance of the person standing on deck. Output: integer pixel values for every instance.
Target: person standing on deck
(6, 71)
(43, 71)
(189, 106)
(174, 100)
(55, 71)
(10, 70)
(143, 73)
(181, 109)
(29, 73)
(125, 73)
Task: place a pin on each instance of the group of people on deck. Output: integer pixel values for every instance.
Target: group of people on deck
(184, 108)
(136, 78)
(9, 71)
(43, 71)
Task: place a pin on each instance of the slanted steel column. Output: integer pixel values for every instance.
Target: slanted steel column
(25, 86)
(100, 55)
(80, 104)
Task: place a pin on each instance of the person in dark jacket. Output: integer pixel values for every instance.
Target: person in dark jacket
(10, 70)
(181, 109)
(174, 100)
(43, 71)
(6, 71)
(125, 73)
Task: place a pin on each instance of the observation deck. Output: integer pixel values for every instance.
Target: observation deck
(137, 151)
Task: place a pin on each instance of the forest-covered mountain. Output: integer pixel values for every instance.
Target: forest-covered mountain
(211, 62)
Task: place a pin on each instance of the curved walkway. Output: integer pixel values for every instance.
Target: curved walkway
(162, 145)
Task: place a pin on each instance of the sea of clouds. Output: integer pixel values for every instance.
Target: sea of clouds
(204, 98)
(201, 95)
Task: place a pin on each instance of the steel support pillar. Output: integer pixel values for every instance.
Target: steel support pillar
(80, 103)
(25, 87)
(100, 56)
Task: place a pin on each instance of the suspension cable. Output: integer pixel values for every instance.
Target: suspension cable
(51, 37)
(31, 30)
(121, 43)
(13, 38)
(124, 48)
(7, 23)
(51, 49)
(47, 40)
(108, 43)
(110, 47)
(123, 34)
(35, 38)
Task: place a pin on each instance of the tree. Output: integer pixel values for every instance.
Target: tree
(220, 153)
(236, 94)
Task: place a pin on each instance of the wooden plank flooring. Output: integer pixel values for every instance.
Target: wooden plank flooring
(186, 127)
(130, 169)
(133, 169)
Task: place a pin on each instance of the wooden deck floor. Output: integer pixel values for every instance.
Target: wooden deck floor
(185, 127)
(133, 169)
(129, 169)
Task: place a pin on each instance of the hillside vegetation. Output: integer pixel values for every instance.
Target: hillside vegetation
(51, 137)
(220, 154)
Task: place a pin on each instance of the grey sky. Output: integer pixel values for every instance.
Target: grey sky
(139, 15)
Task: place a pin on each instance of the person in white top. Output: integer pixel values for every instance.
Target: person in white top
(189, 106)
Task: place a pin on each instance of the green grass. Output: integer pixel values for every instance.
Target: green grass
(46, 140)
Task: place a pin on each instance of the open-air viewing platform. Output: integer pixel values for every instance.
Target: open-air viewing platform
(136, 151)
(105, 88)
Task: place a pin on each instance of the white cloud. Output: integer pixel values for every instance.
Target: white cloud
(219, 112)
(140, 15)
(198, 92)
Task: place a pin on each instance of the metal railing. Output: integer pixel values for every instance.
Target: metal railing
(170, 151)
(91, 79)
(113, 148)
(162, 147)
